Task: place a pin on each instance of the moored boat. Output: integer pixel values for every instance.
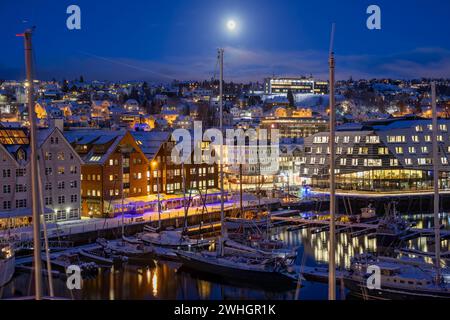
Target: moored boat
(7, 264)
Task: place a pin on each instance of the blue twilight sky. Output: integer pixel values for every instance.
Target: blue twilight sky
(163, 40)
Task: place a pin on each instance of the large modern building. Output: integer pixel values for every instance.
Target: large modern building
(379, 156)
(281, 85)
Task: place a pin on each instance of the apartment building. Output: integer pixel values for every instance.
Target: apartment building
(59, 177)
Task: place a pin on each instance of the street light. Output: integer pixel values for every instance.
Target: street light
(155, 166)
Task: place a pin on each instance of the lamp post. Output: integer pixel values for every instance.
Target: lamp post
(155, 165)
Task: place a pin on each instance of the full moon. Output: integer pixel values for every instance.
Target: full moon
(231, 25)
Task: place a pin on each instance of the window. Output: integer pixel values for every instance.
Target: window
(444, 160)
(394, 162)
(73, 169)
(372, 163)
(61, 185)
(21, 172)
(320, 139)
(95, 158)
(415, 139)
(399, 150)
(412, 150)
(73, 184)
(346, 139)
(357, 139)
(21, 203)
(6, 173)
(443, 127)
(349, 150)
(48, 171)
(373, 139)
(111, 162)
(73, 213)
(74, 198)
(60, 214)
(343, 162)
(61, 199)
(7, 205)
(48, 156)
(319, 150)
(21, 188)
(396, 139)
(354, 162)
(363, 150)
(48, 201)
(111, 177)
(408, 161)
(383, 151)
(424, 161)
(48, 186)
(60, 155)
(419, 129)
(6, 188)
(339, 150)
(424, 149)
(427, 138)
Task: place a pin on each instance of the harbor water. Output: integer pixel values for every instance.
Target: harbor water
(169, 280)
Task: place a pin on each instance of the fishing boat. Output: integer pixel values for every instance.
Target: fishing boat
(399, 279)
(368, 214)
(155, 252)
(7, 264)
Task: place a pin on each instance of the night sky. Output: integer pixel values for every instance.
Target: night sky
(163, 40)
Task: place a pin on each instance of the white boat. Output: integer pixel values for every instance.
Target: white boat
(171, 239)
(243, 223)
(7, 264)
(399, 279)
(134, 252)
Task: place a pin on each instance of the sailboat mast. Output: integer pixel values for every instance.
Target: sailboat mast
(332, 246)
(33, 159)
(222, 213)
(437, 235)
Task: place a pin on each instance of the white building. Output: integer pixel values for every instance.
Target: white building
(59, 175)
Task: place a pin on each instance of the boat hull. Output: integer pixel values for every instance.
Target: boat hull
(266, 279)
(7, 268)
(390, 293)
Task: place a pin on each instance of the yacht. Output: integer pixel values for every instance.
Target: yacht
(170, 239)
(400, 279)
(7, 264)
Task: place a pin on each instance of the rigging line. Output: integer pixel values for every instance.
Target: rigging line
(126, 64)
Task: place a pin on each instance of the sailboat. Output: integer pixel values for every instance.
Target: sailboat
(391, 228)
(406, 278)
(7, 264)
(259, 269)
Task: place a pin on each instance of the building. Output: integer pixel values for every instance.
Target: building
(293, 124)
(282, 85)
(112, 159)
(393, 155)
(59, 176)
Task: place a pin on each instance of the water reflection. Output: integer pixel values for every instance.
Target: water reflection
(167, 280)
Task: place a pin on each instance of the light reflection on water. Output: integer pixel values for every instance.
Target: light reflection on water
(168, 281)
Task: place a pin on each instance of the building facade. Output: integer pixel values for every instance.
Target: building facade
(59, 177)
(282, 85)
(380, 156)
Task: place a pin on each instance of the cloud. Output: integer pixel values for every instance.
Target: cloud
(252, 65)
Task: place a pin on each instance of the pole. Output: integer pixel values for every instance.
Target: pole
(240, 191)
(34, 180)
(222, 213)
(159, 199)
(185, 206)
(437, 235)
(332, 247)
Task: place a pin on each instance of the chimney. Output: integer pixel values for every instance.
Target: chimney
(58, 123)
